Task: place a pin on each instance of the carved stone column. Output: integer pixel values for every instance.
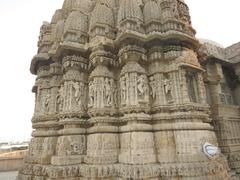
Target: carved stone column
(43, 144)
(136, 138)
(72, 97)
(103, 142)
(52, 126)
(45, 122)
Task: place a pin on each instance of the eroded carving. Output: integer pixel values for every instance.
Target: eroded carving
(168, 88)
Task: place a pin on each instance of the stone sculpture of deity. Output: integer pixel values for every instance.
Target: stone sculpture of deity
(60, 99)
(108, 92)
(78, 86)
(142, 87)
(47, 103)
(123, 90)
(167, 83)
(153, 87)
(91, 94)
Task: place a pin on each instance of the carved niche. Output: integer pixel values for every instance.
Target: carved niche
(153, 88)
(73, 93)
(43, 98)
(170, 9)
(71, 145)
(192, 86)
(134, 86)
(168, 88)
(102, 96)
(73, 96)
(60, 99)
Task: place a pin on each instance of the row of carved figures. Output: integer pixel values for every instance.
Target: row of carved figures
(133, 89)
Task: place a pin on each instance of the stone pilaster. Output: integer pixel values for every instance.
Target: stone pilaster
(45, 121)
(103, 141)
(45, 118)
(136, 137)
(72, 96)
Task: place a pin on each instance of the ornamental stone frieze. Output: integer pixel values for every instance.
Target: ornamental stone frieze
(124, 90)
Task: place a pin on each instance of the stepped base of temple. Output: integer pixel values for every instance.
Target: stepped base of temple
(212, 170)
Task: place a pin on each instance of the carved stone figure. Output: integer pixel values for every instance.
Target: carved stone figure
(153, 87)
(91, 94)
(79, 88)
(108, 92)
(142, 87)
(47, 103)
(60, 99)
(175, 10)
(123, 90)
(168, 90)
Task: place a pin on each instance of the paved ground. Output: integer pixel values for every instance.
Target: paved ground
(8, 175)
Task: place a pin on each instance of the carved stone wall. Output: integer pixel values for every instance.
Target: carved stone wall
(121, 94)
(223, 97)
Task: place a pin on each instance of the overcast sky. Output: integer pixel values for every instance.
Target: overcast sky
(20, 21)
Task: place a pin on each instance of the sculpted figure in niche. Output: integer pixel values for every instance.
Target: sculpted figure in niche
(58, 147)
(114, 93)
(78, 86)
(91, 94)
(153, 87)
(60, 98)
(142, 87)
(47, 102)
(111, 83)
(167, 83)
(175, 10)
(123, 90)
(85, 97)
(108, 93)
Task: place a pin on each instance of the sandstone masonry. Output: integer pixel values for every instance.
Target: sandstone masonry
(124, 90)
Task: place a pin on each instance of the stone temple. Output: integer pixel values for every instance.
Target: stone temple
(125, 91)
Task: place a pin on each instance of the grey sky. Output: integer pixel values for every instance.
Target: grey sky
(20, 23)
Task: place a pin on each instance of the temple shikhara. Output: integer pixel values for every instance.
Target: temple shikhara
(125, 91)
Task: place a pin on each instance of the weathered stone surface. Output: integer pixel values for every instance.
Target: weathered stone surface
(124, 90)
